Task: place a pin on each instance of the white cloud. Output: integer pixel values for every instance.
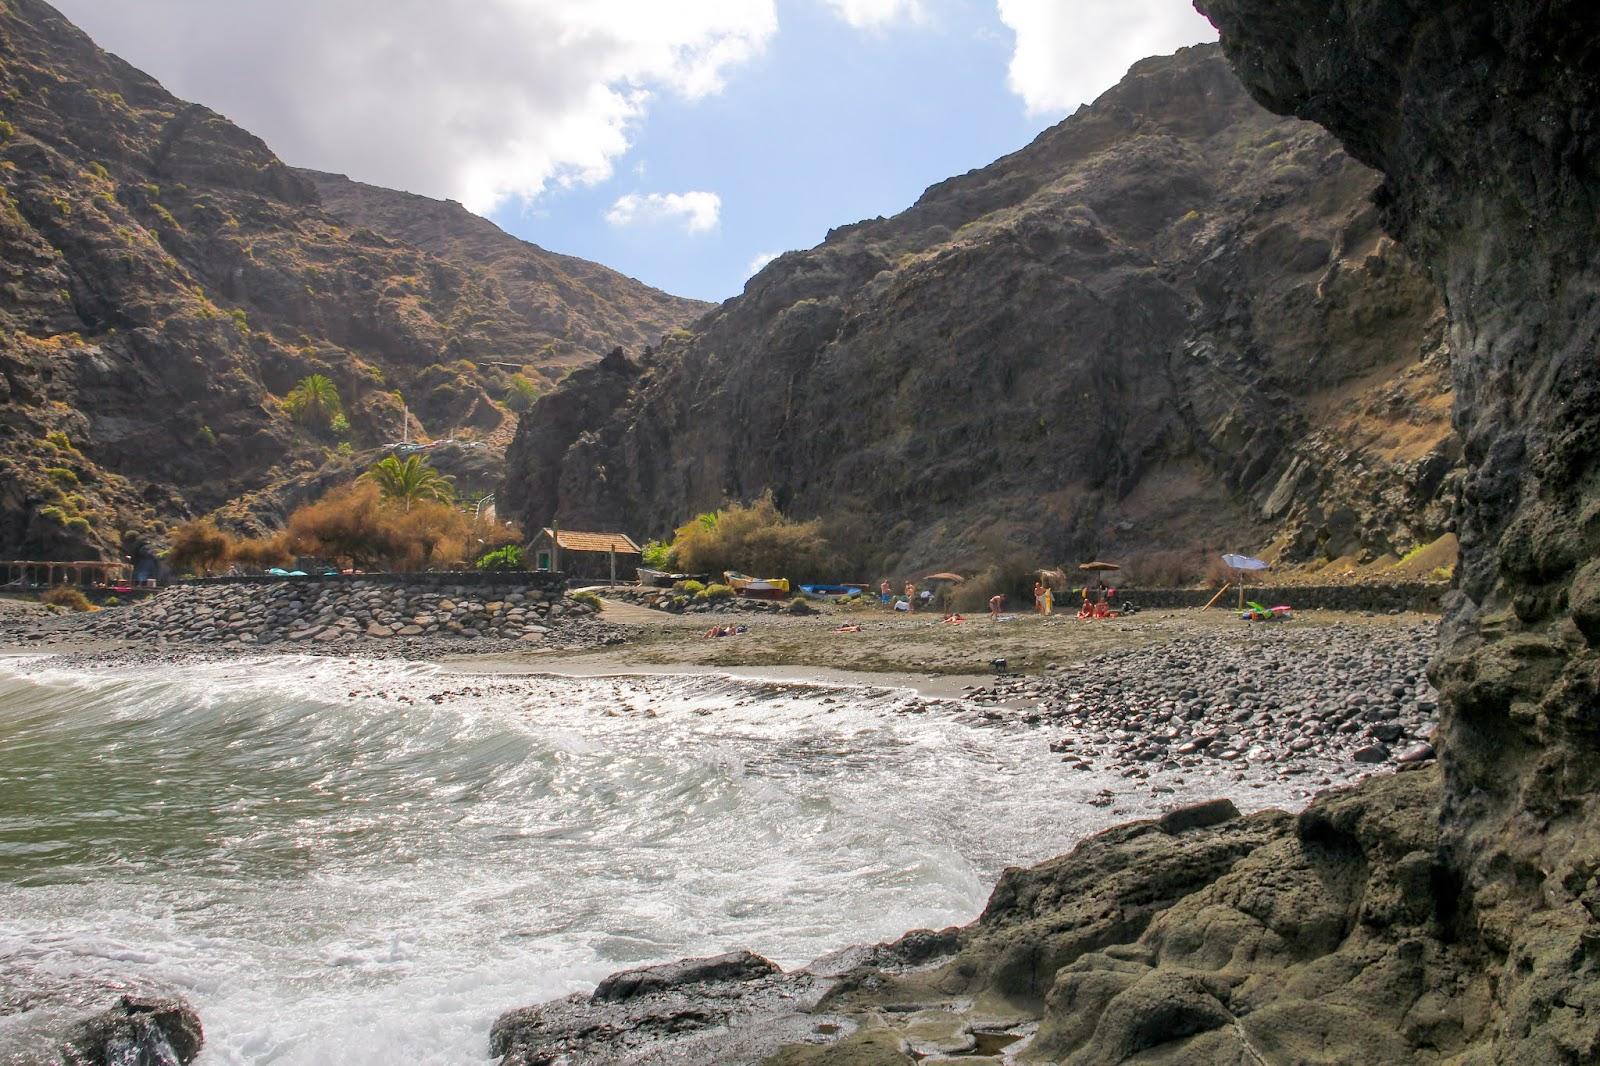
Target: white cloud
(698, 211)
(478, 100)
(760, 261)
(1070, 51)
(867, 13)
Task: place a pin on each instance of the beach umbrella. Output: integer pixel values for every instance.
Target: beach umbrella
(1099, 566)
(1244, 564)
(952, 578)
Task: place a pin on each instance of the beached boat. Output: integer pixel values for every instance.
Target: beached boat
(656, 579)
(831, 592)
(757, 588)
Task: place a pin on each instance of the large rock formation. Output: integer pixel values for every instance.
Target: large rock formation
(1172, 320)
(1425, 917)
(165, 280)
(1485, 121)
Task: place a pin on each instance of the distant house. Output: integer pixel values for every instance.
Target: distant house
(583, 554)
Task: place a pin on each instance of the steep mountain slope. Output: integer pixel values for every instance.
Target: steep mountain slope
(1170, 321)
(571, 311)
(165, 280)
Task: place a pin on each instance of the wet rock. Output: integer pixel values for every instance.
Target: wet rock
(1198, 816)
(733, 966)
(1372, 753)
(137, 1031)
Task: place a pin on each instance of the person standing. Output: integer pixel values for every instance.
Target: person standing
(911, 594)
(885, 591)
(997, 601)
(1038, 596)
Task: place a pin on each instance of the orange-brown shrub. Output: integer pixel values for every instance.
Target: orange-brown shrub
(354, 525)
(263, 553)
(67, 596)
(199, 547)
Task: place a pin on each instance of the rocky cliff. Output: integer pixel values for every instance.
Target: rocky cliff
(1171, 321)
(165, 280)
(1448, 916)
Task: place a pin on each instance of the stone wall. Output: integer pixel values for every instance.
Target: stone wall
(257, 612)
(1416, 596)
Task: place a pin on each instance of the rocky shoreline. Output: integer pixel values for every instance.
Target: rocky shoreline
(1305, 701)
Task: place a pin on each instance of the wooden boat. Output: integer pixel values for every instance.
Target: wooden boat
(656, 579)
(660, 579)
(831, 592)
(757, 588)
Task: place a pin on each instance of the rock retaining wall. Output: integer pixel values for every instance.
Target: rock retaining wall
(327, 609)
(1417, 596)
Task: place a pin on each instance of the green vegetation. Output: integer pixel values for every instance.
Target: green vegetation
(240, 320)
(592, 599)
(690, 587)
(205, 436)
(715, 592)
(521, 392)
(409, 482)
(657, 555)
(508, 558)
(755, 538)
(61, 475)
(314, 401)
(7, 130)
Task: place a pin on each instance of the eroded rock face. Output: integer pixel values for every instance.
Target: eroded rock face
(1173, 319)
(1485, 121)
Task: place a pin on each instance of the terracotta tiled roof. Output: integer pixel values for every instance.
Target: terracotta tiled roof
(573, 540)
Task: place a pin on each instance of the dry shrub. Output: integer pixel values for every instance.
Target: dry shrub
(1166, 569)
(353, 524)
(487, 535)
(263, 553)
(67, 596)
(430, 533)
(1012, 576)
(755, 538)
(199, 547)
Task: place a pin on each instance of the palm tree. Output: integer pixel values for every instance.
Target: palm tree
(314, 401)
(409, 481)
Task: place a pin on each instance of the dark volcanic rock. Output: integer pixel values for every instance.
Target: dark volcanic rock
(1172, 318)
(138, 1031)
(733, 966)
(1483, 120)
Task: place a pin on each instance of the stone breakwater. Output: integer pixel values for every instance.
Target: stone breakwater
(1305, 702)
(340, 612)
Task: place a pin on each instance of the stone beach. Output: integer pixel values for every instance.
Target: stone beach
(1299, 700)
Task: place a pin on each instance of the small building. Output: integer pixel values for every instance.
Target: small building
(578, 553)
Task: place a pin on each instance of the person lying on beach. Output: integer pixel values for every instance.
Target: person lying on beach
(953, 619)
(726, 631)
(848, 627)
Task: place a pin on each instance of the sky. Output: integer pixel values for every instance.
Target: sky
(683, 142)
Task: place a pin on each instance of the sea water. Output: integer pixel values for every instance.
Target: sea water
(339, 861)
